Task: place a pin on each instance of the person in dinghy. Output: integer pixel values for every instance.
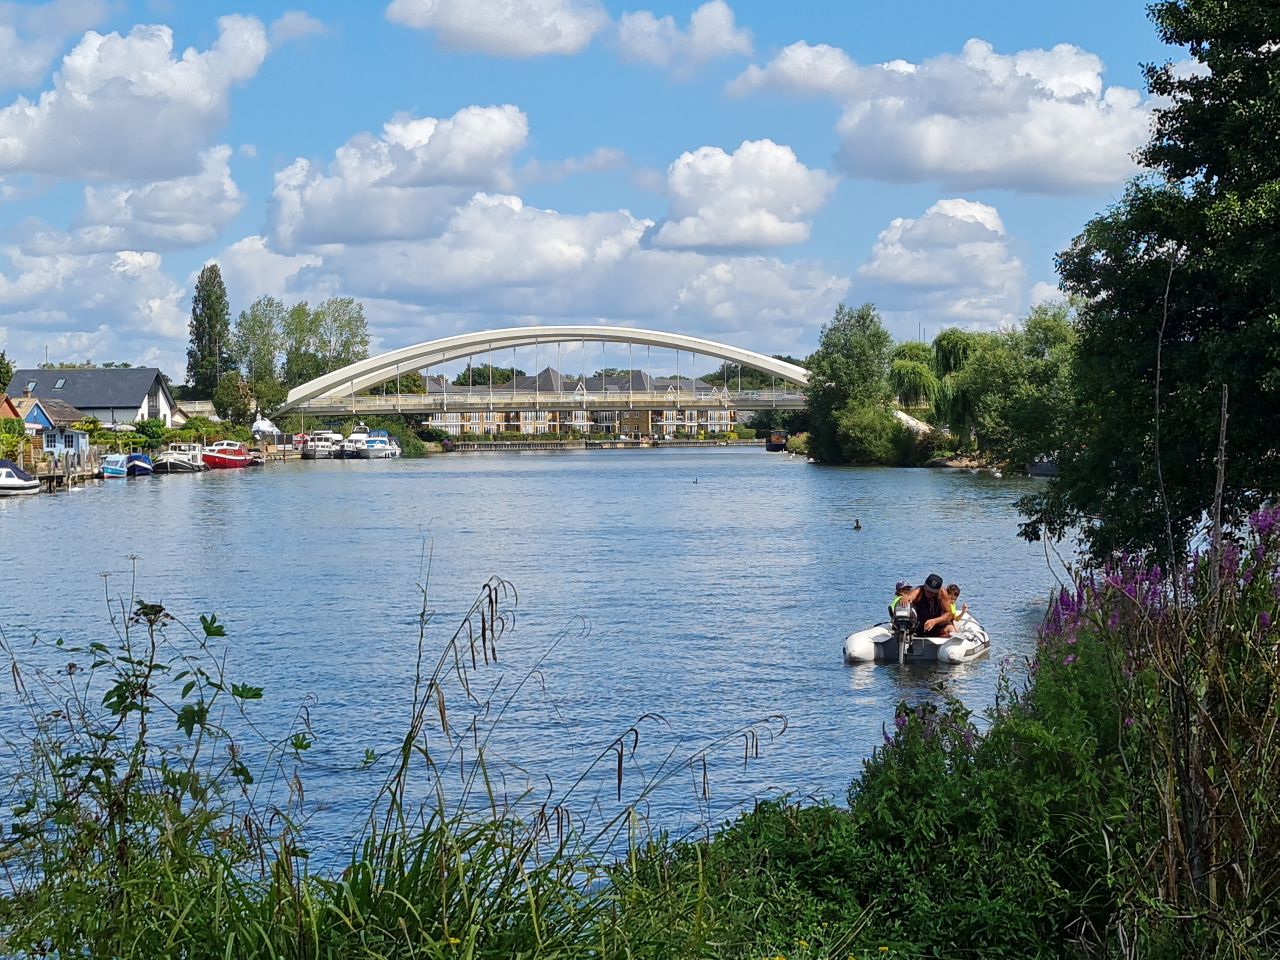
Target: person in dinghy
(933, 608)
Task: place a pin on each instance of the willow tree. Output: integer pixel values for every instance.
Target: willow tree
(913, 382)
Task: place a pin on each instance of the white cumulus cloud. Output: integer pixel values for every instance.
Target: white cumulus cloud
(952, 264)
(1035, 120)
(505, 28)
(251, 269)
(164, 215)
(712, 33)
(404, 183)
(124, 107)
(293, 25)
(98, 306)
(758, 196)
(31, 36)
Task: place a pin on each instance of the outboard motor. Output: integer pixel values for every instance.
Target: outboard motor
(904, 627)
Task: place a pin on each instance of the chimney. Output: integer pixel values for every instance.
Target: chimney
(26, 393)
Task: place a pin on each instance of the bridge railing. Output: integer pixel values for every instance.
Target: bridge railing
(478, 398)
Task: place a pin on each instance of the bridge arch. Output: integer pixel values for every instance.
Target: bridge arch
(365, 374)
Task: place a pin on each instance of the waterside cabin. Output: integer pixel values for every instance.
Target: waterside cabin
(53, 423)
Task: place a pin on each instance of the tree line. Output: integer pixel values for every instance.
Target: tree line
(1154, 388)
(270, 348)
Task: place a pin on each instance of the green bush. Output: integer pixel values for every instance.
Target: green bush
(745, 433)
(910, 449)
(798, 443)
(864, 432)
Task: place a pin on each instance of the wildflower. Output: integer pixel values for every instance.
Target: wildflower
(968, 739)
(1128, 722)
(1264, 620)
(1069, 659)
(454, 941)
(900, 721)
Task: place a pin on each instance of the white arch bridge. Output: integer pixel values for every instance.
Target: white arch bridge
(347, 390)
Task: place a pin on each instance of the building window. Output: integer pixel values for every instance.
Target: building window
(61, 382)
(31, 385)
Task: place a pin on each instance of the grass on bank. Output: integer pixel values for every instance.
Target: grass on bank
(1121, 803)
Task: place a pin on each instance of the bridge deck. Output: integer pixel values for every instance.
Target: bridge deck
(501, 399)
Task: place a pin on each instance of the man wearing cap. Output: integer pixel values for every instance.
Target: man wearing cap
(933, 611)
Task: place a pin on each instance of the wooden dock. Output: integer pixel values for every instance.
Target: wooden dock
(64, 474)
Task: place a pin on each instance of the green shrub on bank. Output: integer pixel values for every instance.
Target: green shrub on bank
(1125, 803)
(798, 443)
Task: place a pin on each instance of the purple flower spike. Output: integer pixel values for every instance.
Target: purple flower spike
(1069, 659)
(1264, 620)
(1128, 722)
(900, 721)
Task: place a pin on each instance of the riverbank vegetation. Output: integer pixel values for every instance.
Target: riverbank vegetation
(999, 396)
(1119, 802)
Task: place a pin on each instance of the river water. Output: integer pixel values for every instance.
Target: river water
(703, 589)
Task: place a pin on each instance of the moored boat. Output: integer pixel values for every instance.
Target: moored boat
(115, 466)
(227, 455)
(898, 642)
(138, 465)
(777, 441)
(14, 481)
(321, 445)
(353, 447)
(180, 458)
(377, 446)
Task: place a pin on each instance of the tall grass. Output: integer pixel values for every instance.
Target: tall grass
(148, 820)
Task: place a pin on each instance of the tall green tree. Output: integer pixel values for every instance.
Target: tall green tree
(233, 399)
(342, 333)
(6, 370)
(258, 334)
(211, 352)
(1180, 290)
(848, 372)
(300, 343)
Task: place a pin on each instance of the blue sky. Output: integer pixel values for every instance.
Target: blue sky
(726, 169)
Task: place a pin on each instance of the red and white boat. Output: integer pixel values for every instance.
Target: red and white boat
(227, 455)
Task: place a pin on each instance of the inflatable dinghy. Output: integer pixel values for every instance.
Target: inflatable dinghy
(898, 642)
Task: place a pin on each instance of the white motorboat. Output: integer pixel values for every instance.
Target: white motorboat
(14, 481)
(353, 447)
(180, 458)
(321, 445)
(898, 642)
(377, 446)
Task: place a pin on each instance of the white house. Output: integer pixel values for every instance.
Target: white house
(118, 395)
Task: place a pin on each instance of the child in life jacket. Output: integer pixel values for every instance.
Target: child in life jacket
(953, 591)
